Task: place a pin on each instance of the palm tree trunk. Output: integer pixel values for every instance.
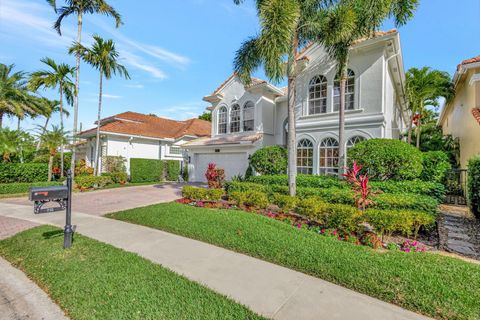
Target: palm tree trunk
(39, 143)
(50, 165)
(409, 136)
(75, 97)
(18, 123)
(419, 130)
(291, 142)
(61, 125)
(341, 120)
(97, 147)
(1, 119)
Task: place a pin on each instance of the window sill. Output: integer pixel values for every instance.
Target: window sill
(325, 115)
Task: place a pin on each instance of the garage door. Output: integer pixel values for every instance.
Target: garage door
(233, 163)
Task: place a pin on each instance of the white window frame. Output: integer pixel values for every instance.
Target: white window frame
(249, 105)
(318, 84)
(220, 114)
(304, 153)
(349, 92)
(330, 147)
(238, 118)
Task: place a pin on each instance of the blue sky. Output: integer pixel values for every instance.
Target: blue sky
(179, 51)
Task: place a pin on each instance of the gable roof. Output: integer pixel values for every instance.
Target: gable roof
(138, 124)
(468, 61)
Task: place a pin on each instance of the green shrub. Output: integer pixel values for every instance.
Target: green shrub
(115, 164)
(405, 201)
(236, 186)
(23, 172)
(92, 182)
(303, 180)
(331, 195)
(195, 193)
(172, 170)
(16, 188)
(386, 222)
(185, 172)
(387, 159)
(44, 158)
(119, 177)
(432, 189)
(270, 160)
(146, 170)
(285, 202)
(421, 219)
(473, 185)
(436, 164)
(250, 198)
(311, 208)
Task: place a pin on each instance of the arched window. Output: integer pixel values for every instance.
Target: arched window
(235, 118)
(354, 140)
(349, 92)
(248, 116)
(222, 120)
(317, 95)
(305, 156)
(329, 156)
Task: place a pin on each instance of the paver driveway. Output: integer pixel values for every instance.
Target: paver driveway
(111, 200)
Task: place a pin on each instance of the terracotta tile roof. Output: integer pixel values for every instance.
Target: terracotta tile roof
(468, 61)
(242, 139)
(476, 114)
(138, 124)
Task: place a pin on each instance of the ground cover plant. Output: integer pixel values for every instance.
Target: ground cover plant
(438, 286)
(93, 280)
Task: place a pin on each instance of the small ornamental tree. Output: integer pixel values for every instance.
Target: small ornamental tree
(215, 176)
(270, 160)
(359, 184)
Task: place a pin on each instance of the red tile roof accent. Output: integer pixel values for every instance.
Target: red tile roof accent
(476, 114)
(139, 124)
(468, 61)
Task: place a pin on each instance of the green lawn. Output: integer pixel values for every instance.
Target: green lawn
(431, 284)
(94, 280)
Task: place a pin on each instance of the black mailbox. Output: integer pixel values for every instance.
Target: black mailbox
(43, 195)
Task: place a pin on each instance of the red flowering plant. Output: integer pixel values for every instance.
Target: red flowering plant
(215, 176)
(359, 184)
(416, 118)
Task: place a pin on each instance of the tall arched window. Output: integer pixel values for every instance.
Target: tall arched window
(248, 116)
(305, 156)
(317, 95)
(235, 118)
(349, 92)
(329, 156)
(222, 120)
(354, 140)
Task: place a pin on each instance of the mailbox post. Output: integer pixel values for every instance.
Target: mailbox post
(61, 195)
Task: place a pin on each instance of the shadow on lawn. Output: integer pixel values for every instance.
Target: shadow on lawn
(52, 234)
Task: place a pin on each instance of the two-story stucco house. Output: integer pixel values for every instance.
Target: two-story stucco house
(461, 117)
(245, 118)
(136, 135)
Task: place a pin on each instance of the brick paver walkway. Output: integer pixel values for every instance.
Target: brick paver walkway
(11, 226)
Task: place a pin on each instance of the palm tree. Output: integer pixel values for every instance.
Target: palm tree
(345, 23)
(80, 8)
(58, 75)
(53, 106)
(424, 86)
(53, 139)
(8, 143)
(15, 99)
(103, 56)
(286, 25)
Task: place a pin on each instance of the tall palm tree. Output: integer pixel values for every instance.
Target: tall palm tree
(424, 86)
(15, 99)
(53, 139)
(103, 56)
(53, 106)
(79, 8)
(286, 26)
(57, 76)
(345, 23)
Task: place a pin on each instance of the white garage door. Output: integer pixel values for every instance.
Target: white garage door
(233, 163)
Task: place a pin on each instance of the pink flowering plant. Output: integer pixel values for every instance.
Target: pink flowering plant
(359, 185)
(412, 246)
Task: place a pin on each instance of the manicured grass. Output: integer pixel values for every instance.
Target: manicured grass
(94, 280)
(431, 284)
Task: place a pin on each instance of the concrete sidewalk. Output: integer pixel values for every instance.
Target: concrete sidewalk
(268, 289)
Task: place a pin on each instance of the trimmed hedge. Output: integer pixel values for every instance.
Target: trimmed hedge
(303, 180)
(432, 189)
(146, 170)
(387, 159)
(23, 172)
(17, 188)
(473, 185)
(172, 170)
(436, 164)
(195, 193)
(92, 182)
(270, 160)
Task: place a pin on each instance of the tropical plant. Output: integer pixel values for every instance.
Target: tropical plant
(344, 24)
(103, 56)
(285, 27)
(52, 140)
(57, 76)
(79, 8)
(52, 106)
(8, 143)
(424, 87)
(15, 99)
(207, 116)
(359, 185)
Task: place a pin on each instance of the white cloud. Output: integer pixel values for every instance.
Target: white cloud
(135, 86)
(181, 111)
(137, 62)
(111, 96)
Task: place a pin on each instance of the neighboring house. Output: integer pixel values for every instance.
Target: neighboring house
(245, 118)
(461, 117)
(136, 135)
